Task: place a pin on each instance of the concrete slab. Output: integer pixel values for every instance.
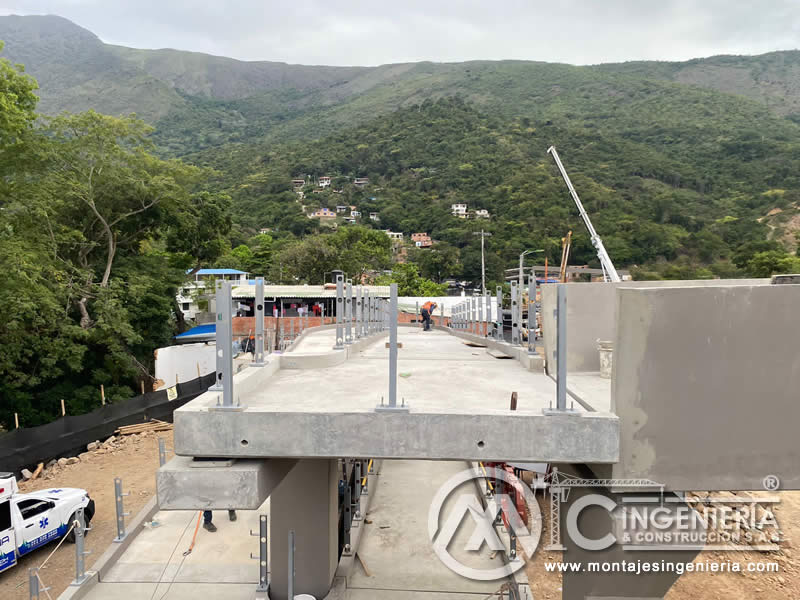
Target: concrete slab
(178, 591)
(592, 389)
(459, 398)
(156, 555)
(396, 546)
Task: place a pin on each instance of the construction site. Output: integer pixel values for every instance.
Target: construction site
(614, 439)
(334, 451)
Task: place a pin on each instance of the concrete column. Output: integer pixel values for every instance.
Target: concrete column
(306, 501)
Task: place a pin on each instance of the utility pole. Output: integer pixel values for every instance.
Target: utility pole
(483, 234)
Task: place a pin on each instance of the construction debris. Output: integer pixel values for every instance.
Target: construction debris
(150, 427)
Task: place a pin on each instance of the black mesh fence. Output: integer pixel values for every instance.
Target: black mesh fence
(69, 436)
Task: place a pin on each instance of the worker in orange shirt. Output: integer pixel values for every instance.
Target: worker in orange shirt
(427, 312)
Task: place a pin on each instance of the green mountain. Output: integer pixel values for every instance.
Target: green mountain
(686, 161)
(197, 100)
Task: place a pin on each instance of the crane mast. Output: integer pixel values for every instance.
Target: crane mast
(609, 272)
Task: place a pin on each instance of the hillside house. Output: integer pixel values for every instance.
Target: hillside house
(421, 240)
(342, 209)
(374, 216)
(324, 182)
(361, 181)
(298, 183)
(481, 213)
(355, 213)
(322, 214)
(395, 236)
(459, 210)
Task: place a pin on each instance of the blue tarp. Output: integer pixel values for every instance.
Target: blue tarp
(199, 331)
(218, 272)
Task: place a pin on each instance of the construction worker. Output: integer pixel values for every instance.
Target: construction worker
(427, 312)
(209, 526)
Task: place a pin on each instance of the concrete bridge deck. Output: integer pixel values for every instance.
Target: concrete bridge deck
(458, 398)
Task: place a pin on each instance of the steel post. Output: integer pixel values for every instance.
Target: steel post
(258, 352)
(263, 572)
(339, 313)
(225, 341)
(291, 330)
(561, 347)
(121, 514)
(481, 316)
(515, 313)
(80, 551)
(33, 585)
(499, 333)
(419, 323)
(357, 490)
(291, 565)
(219, 295)
(348, 313)
(162, 452)
(347, 509)
(532, 314)
(358, 312)
(393, 345)
(488, 300)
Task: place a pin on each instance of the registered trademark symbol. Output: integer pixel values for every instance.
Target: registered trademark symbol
(771, 483)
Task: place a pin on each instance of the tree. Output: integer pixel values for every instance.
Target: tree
(262, 254)
(773, 262)
(17, 102)
(110, 193)
(409, 282)
(438, 262)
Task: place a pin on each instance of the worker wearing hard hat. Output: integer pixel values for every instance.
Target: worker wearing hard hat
(427, 312)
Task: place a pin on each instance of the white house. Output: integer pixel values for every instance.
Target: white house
(324, 182)
(481, 213)
(201, 284)
(459, 210)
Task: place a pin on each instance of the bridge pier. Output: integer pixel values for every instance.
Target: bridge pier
(306, 501)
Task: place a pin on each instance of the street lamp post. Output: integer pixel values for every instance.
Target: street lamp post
(521, 260)
(483, 234)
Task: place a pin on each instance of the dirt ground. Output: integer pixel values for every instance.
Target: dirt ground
(785, 584)
(135, 460)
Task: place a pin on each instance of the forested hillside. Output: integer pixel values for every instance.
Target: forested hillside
(664, 195)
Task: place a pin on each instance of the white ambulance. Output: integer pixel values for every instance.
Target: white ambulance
(28, 521)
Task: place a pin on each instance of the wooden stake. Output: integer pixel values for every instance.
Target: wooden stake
(102, 394)
(141, 383)
(198, 371)
(16, 421)
(38, 471)
(63, 411)
(176, 379)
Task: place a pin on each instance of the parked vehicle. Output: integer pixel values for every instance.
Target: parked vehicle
(28, 521)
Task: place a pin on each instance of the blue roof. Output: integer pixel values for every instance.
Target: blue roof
(199, 330)
(218, 272)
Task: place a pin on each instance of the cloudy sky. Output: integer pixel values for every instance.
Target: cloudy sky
(355, 32)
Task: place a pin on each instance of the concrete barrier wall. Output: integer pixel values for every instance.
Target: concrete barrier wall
(706, 384)
(591, 316)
